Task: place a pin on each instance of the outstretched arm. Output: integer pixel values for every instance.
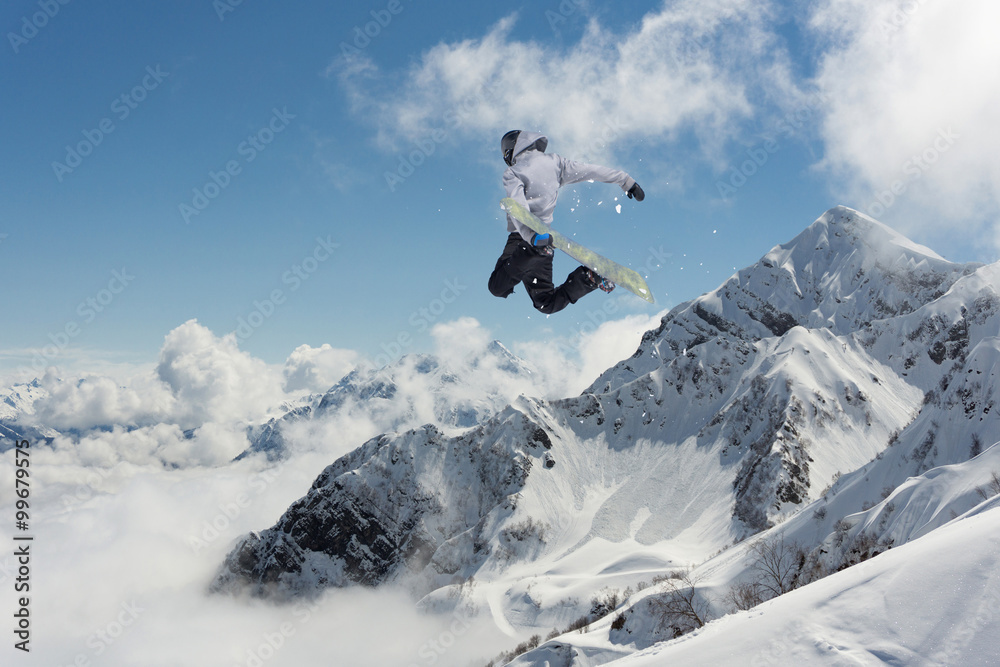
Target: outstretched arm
(572, 171)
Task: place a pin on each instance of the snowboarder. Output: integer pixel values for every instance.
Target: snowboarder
(533, 179)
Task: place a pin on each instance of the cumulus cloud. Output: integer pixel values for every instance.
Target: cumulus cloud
(317, 369)
(212, 379)
(692, 66)
(912, 98)
(200, 378)
(97, 400)
(572, 363)
(467, 378)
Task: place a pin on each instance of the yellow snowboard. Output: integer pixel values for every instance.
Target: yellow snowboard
(613, 271)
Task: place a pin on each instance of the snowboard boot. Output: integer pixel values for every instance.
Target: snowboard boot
(596, 281)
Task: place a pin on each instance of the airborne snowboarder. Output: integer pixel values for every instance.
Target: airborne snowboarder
(533, 179)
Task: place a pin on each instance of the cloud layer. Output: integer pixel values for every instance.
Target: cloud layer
(910, 127)
(137, 514)
(691, 67)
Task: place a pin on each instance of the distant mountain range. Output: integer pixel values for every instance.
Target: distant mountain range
(17, 403)
(411, 391)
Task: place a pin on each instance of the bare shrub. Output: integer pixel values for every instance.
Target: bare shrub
(976, 448)
(581, 624)
(680, 608)
(776, 565)
(991, 489)
(744, 595)
(605, 602)
(864, 546)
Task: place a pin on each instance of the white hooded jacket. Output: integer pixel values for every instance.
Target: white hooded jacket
(535, 177)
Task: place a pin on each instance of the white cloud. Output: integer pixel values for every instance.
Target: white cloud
(212, 379)
(612, 342)
(97, 400)
(570, 365)
(200, 378)
(912, 98)
(691, 66)
(316, 369)
(191, 410)
(125, 576)
(460, 339)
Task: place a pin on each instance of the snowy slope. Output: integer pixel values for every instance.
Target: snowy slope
(935, 601)
(800, 393)
(911, 513)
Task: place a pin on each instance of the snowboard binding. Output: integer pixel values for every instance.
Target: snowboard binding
(597, 281)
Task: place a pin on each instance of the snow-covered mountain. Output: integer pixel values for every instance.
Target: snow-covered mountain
(453, 394)
(16, 403)
(806, 389)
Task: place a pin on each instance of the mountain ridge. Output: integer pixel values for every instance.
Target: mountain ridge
(732, 415)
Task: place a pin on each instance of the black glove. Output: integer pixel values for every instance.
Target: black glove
(635, 192)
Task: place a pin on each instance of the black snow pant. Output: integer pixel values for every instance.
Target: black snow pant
(520, 263)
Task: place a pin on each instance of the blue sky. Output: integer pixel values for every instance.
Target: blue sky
(228, 163)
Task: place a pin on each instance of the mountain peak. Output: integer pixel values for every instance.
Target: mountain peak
(841, 273)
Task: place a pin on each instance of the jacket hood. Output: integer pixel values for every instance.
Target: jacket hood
(528, 140)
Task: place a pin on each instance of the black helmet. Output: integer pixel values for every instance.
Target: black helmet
(507, 146)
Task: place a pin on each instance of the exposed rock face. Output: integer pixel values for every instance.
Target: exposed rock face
(389, 507)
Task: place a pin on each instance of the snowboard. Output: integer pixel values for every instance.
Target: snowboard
(613, 271)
